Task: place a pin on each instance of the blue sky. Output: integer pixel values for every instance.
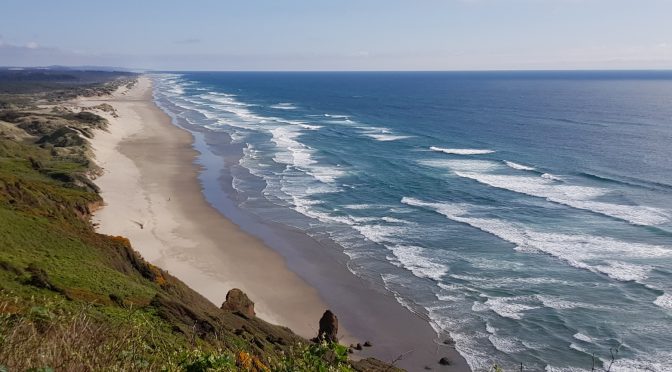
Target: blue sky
(339, 35)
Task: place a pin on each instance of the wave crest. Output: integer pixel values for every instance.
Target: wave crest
(461, 151)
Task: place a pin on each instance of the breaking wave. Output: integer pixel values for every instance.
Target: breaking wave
(461, 151)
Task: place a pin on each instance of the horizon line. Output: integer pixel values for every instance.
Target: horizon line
(147, 70)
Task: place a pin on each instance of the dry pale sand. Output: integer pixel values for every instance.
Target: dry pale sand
(153, 197)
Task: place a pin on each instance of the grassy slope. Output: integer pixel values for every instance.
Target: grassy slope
(73, 299)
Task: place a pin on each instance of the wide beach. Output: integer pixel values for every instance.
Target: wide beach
(154, 197)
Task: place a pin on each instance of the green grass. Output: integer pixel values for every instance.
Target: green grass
(70, 262)
(44, 223)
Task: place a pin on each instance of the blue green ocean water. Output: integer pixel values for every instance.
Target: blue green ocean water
(526, 214)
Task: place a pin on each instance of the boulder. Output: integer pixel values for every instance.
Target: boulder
(449, 341)
(444, 361)
(328, 327)
(238, 302)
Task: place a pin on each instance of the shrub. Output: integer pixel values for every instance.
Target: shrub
(322, 357)
(199, 361)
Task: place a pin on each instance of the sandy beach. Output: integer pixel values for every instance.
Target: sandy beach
(154, 197)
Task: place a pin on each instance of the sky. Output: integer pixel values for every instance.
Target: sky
(338, 34)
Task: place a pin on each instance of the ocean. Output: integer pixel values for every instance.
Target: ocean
(528, 215)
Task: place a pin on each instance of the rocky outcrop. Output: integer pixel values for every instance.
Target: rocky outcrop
(238, 302)
(328, 327)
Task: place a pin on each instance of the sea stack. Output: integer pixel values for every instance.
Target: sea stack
(328, 327)
(238, 302)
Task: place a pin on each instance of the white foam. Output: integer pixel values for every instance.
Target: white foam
(508, 307)
(309, 126)
(574, 196)
(547, 187)
(461, 151)
(381, 134)
(581, 337)
(215, 93)
(664, 301)
(517, 166)
(292, 152)
(658, 362)
(284, 106)
(386, 137)
(461, 165)
(559, 303)
(500, 282)
(394, 220)
(468, 344)
(380, 233)
(306, 206)
(578, 250)
(223, 100)
(389, 279)
(505, 344)
(360, 206)
(336, 116)
(624, 271)
(551, 177)
(416, 260)
(176, 89)
(577, 348)
(550, 368)
(302, 177)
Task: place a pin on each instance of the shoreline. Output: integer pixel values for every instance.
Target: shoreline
(152, 197)
(161, 194)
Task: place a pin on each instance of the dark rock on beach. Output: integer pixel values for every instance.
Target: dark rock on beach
(238, 302)
(328, 327)
(449, 342)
